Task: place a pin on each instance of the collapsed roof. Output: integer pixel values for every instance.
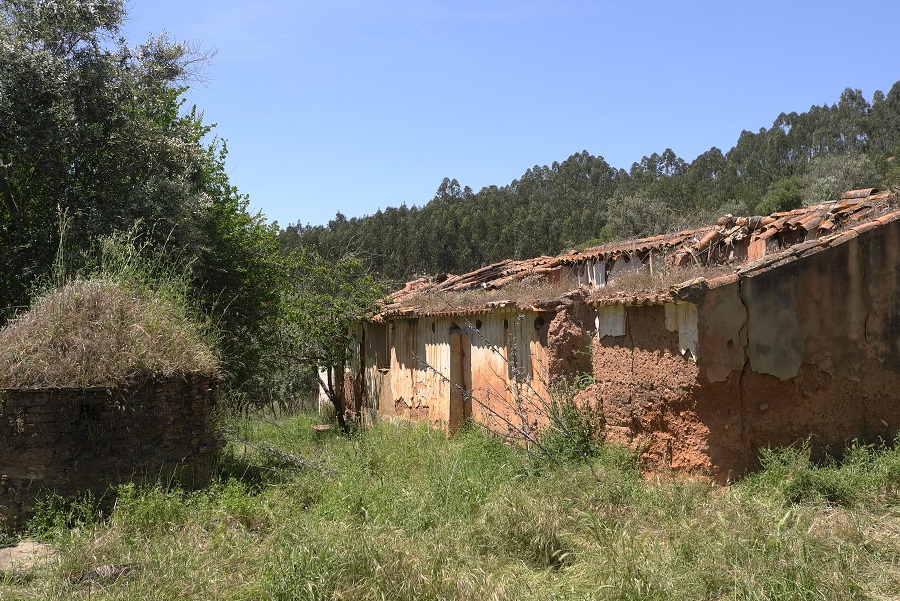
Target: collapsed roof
(731, 245)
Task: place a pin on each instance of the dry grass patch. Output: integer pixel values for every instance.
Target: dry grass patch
(97, 333)
(641, 280)
(532, 291)
(524, 293)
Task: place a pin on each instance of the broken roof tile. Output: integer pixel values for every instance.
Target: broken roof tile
(822, 223)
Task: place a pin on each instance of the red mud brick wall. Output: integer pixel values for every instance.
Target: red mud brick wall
(803, 345)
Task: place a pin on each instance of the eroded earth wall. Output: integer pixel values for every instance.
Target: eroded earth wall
(802, 345)
(68, 441)
(819, 342)
(647, 388)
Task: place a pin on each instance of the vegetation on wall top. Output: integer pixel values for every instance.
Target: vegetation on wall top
(95, 332)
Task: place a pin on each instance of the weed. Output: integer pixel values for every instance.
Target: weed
(582, 380)
(642, 280)
(406, 513)
(575, 431)
(54, 514)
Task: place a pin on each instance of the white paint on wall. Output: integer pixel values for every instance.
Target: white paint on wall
(610, 320)
(682, 317)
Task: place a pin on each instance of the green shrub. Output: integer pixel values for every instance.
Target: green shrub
(54, 515)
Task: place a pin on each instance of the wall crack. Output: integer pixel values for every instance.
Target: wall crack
(744, 341)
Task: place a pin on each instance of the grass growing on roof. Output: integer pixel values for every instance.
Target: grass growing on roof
(125, 316)
(642, 281)
(524, 292)
(97, 333)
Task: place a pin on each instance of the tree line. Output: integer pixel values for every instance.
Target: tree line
(803, 158)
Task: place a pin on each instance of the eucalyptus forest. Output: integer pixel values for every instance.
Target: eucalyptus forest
(802, 158)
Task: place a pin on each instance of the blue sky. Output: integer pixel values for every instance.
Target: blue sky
(352, 106)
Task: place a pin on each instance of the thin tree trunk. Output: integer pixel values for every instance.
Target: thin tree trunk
(337, 401)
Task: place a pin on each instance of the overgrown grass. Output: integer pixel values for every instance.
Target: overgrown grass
(641, 280)
(123, 317)
(401, 512)
(98, 333)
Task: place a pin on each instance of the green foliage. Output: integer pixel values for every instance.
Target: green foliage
(243, 278)
(54, 515)
(93, 127)
(637, 217)
(784, 195)
(797, 479)
(864, 471)
(132, 261)
(328, 300)
(582, 380)
(575, 433)
(321, 315)
(403, 512)
(97, 131)
(830, 175)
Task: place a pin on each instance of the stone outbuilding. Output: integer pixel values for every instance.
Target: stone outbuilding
(702, 346)
(101, 386)
(72, 441)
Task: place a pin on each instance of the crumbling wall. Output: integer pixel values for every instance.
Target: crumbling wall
(822, 341)
(569, 339)
(69, 441)
(645, 386)
(800, 345)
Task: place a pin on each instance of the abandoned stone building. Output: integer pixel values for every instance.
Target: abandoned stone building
(702, 346)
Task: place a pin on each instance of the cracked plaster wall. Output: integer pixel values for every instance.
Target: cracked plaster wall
(806, 346)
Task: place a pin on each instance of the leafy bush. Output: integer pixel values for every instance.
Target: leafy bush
(792, 476)
(53, 515)
(574, 432)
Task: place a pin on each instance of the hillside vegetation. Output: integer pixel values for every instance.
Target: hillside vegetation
(401, 512)
(802, 158)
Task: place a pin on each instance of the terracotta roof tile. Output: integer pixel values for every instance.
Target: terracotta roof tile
(786, 234)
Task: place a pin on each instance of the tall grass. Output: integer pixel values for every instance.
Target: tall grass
(402, 512)
(124, 315)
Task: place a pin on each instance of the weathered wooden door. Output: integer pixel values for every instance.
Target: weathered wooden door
(460, 379)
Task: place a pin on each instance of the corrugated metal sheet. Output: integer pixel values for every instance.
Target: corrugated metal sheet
(417, 380)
